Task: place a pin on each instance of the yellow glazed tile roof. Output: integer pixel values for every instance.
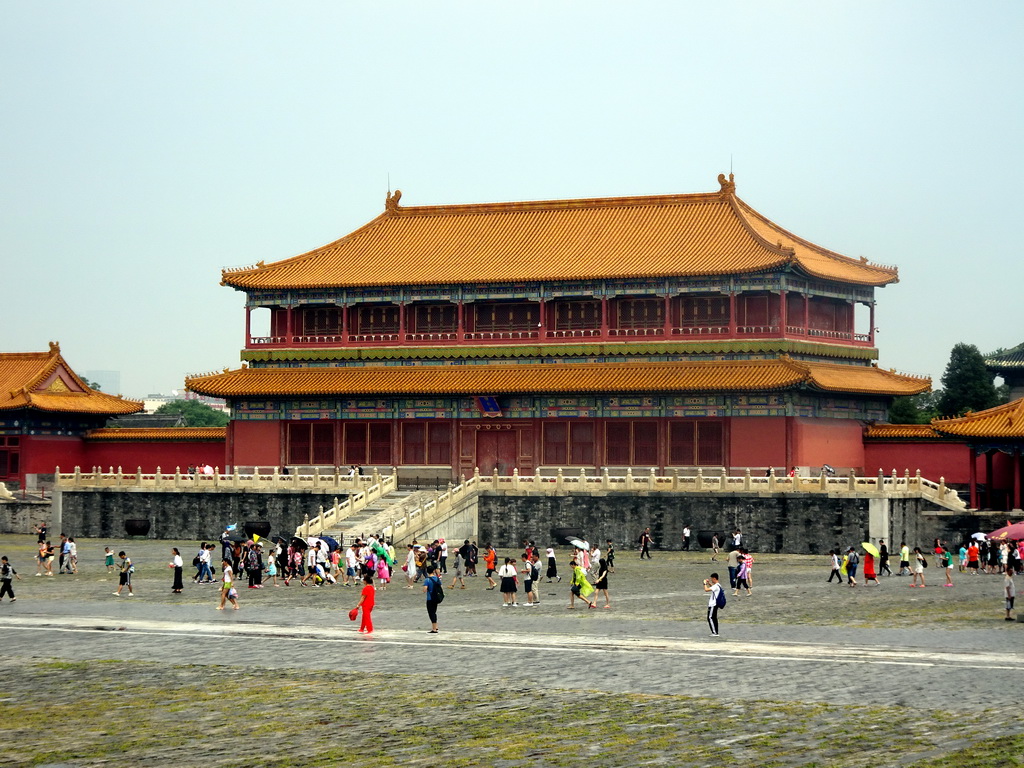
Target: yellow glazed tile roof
(599, 238)
(578, 378)
(149, 434)
(901, 432)
(43, 381)
(1004, 422)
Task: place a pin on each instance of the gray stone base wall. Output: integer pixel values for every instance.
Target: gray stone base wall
(797, 524)
(20, 516)
(184, 515)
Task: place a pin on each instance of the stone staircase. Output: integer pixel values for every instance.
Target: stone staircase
(377, 515)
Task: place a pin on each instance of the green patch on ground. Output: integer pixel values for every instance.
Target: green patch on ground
(149, 714)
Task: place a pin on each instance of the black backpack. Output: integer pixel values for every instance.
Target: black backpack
(438, 592)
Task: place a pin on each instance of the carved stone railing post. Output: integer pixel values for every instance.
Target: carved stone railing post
(675, 479)
(917, 480)
(515, 480)
(853, 480)
(823, 480)
(746, 479)
(881, 481)
(700, 479)
(771, 480)
(629, 478)
(558, 481)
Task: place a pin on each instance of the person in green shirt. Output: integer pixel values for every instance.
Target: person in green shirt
(904, 559)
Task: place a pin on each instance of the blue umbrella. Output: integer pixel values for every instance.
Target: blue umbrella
(331, 543)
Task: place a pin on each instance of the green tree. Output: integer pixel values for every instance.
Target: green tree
(194, 413)
(966, 385)
(915, 409)
(90, 384)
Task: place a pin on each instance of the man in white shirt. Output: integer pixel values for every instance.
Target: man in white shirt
(712, 586)
(350, 567)
(686, 538)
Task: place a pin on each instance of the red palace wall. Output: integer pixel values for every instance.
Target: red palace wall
(934, 459)
(41, 454)
(837, 442)
(254, 443)
(758, 442)
(166, 455)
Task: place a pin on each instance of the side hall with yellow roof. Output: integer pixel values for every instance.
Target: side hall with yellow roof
(45, 410)
(665, 331)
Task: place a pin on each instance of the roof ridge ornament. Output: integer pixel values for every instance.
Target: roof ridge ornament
(728, 185)
(391, 202)
(54, 347)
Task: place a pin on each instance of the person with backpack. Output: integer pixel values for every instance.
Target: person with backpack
(852, 561)
(125, 577)
(435, 595)
(7, 573)
(716, 600)
(920, 563)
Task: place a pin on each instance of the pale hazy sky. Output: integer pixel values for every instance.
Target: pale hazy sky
(144, 146)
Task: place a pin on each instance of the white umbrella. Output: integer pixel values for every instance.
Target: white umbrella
(580, 544)
(979, 536)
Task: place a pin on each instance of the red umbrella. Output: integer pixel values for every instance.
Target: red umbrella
(1014, 532)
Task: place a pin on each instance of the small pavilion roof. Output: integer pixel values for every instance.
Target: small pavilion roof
(43, 381)
(1004, 422)
(556, 240)
(579, 378)
(1010, 359)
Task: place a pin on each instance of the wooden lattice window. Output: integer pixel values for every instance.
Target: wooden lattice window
(494, 316)
(321, 321)
(377, 319)
(434, 318)
(568, 443)
(427, 443)
(640, 313)
(577, 315)
(701, 311)
(367, 443)
(311, 443)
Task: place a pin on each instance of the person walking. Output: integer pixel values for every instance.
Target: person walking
(920, 563)
(833, 557)
(883, 559)
(552, 572)
(686, 538)
(126, 571)
(645, 543)
(946, 559)
(852, 561)
(715, 598)
(435, 594)
(528, 573)
(460, 571)
(601, 582)
(1009, 590)
(580, 587)
(869, 569)
(178, 566)
(904, 559)
(7, 574)
(733, 562)
(743, 572)
(490, 563)
(715, 547)
(367, 599)
(609, 555)
(228, 593)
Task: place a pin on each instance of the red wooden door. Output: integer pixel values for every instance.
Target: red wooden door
(496, 450)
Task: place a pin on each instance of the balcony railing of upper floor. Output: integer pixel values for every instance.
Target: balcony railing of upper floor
(520, 336)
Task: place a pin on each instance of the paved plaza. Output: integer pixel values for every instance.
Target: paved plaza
(805, 672)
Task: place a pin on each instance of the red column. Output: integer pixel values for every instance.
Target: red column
(667, 326)
(988, 479)
(248, 326)
(783, 313)
(732, 314)
(401, 321)
(807, 315)
(344, 323)
(1016, 479)
(460, 327)
(871, 331)
(604, 317)
(973, 469)
(288, 324)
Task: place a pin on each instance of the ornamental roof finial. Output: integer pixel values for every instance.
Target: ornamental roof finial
(54, 347)
(728, 185)
(391, 203)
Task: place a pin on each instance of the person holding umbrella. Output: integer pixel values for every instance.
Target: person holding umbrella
(870, 553)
